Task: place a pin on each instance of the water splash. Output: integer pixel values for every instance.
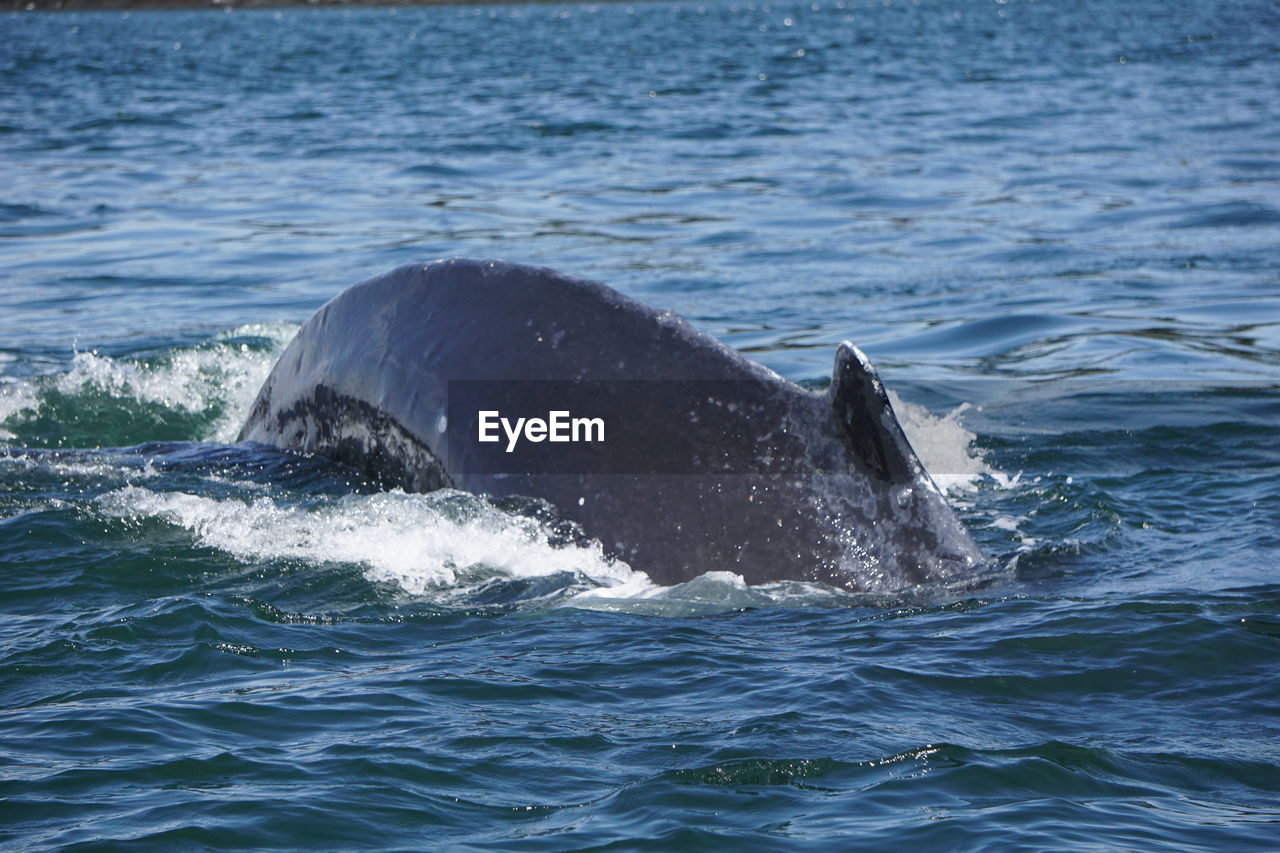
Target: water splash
(17, 398)
(946, 448)
(201, 392)
(440, 541)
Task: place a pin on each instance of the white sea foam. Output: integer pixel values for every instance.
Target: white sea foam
(711, 592)
(192, 380)
(420, 542)
(945, 447)
(444, 544)
(1005, 522)
(225, 373)
(16, 396)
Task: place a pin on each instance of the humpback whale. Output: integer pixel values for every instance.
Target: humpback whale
(703, 459)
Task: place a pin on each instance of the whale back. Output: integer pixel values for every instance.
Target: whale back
(711, 461)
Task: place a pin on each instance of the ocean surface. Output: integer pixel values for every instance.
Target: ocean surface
(1054, 227)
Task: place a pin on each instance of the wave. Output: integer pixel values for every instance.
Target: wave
(198, 393)
(442, 540)
(451, 547)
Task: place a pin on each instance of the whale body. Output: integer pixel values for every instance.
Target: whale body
(706, 460)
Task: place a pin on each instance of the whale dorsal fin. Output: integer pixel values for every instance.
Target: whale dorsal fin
(863, 408)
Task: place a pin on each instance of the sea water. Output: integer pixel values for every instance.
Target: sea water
(1052, 226)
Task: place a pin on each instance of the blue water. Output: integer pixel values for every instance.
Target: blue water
(1053, 226)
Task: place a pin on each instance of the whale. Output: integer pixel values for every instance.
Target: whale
(674, 451)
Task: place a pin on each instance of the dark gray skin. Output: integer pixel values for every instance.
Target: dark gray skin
(780, 483)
